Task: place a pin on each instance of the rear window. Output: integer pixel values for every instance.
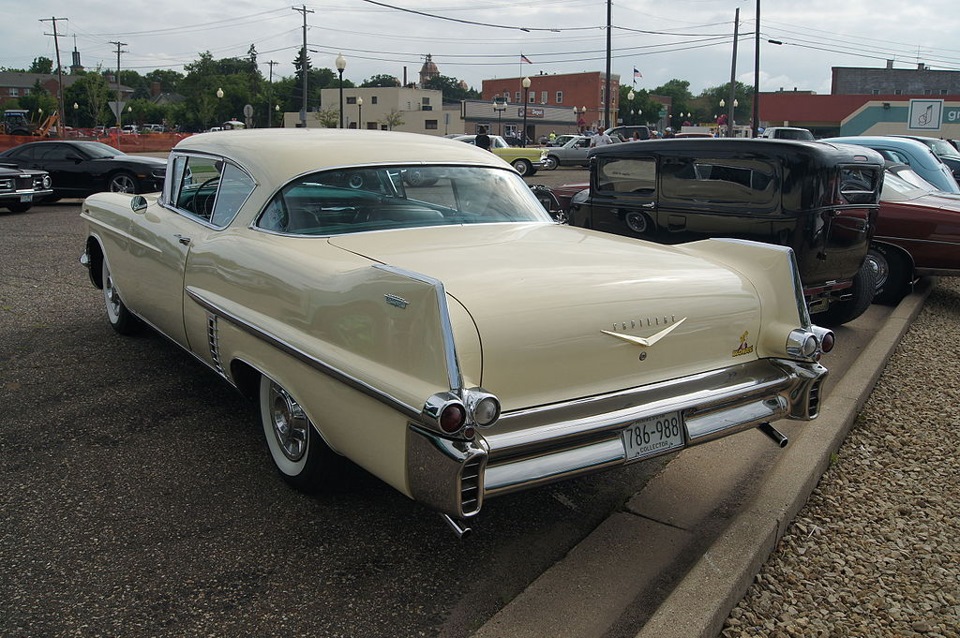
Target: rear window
(859, 184)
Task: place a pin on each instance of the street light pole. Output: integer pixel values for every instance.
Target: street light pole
(499, 106)
(526, 103)
(359, 113)
(341, 65)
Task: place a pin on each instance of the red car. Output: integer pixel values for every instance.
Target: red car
(918, 233)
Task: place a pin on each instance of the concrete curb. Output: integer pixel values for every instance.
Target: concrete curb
(699, 604)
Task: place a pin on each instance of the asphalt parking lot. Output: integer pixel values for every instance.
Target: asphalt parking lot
(140, 500)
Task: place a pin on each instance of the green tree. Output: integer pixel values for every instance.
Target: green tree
(643, 109)
(453, 89)
(41, 65)
(169, 80)
(39, 102)
(329, 118)
(381, 80)
(709, 101)
(393, 119)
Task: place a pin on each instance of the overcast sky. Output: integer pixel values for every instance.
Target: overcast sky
(687, 39)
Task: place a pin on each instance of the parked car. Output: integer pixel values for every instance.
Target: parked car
(943, 149)
(692, 134)
(903, 150)
(819, 199)
(561, 140)
(451, 339)
(525, 161)
(918, 233)
(626, 133)
(80, 168)
(786, 133)
(573, 153)
(20, 188)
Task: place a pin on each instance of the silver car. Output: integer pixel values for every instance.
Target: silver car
(573, 153)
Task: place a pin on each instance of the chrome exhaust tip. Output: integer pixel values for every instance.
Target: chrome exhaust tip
(778, 437)
(460, 530)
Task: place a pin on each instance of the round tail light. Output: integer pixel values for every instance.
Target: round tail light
(452, 418)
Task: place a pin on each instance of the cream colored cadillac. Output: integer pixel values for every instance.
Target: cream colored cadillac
(406, 302)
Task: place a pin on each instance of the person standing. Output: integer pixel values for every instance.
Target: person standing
(482, 140)
(601, 138)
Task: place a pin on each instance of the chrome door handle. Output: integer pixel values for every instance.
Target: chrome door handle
(183, 240)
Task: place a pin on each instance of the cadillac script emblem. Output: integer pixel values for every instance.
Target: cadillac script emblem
(645, 342)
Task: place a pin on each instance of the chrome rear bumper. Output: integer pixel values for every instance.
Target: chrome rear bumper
(556, 442)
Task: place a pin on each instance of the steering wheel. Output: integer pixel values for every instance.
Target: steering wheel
(202, 205)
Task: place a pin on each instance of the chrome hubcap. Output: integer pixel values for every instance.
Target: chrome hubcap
(290, 424)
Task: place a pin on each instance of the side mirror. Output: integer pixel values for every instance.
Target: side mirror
(138, 203)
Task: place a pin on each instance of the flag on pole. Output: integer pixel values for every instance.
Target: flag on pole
(637, 74)
(524, 58)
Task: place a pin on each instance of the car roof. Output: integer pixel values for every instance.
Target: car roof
(762, 146)
(280, 153)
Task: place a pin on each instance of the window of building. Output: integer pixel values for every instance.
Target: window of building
(898, 92)
(544, 96)
(373, 99)
(351, 100)
(943, 91)
(532, 97)
(14, 92)
(506, 95)
(875, 92)
(430, 125)
(517, 98)
(425, 104)
(559, 97)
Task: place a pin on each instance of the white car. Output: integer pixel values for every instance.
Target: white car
(449, 337)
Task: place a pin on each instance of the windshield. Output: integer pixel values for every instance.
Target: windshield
(943, 148)
(897, 189)
(356, 200)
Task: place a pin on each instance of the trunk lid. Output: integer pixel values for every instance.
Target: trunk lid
(541, 297)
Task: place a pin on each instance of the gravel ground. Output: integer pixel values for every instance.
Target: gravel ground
(876, 550)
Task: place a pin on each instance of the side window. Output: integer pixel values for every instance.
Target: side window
(620, 175)
(54, 152)
(719, 181)
(235, 187)
(209, 188)
(859, 184)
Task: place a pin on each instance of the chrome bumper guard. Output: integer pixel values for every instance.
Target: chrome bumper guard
(562, 441)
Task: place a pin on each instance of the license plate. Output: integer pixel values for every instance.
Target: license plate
(653, 435)
(26, 198)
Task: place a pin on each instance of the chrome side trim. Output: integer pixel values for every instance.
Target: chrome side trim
(213, 341)
(315, 363)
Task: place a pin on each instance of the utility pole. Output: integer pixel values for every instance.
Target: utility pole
(119, 105)
(272, 64)
(756, 76)
(56, 43)
(733, 74)
(606, 91)
(303, 64)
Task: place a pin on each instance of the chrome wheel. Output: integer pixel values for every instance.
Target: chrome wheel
(298, 451)
(291, 427)
(122, 320)
(123, 183)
